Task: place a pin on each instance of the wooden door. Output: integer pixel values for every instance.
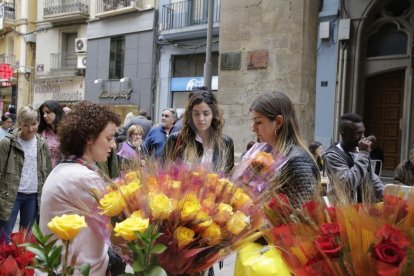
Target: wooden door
(383, 114)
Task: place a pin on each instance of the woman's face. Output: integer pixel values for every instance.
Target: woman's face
(7, 124)
(48, 115)
(28, 130)
(264, 128)
(202, 116)
(99, 149)
(135, 137)
(319, 151)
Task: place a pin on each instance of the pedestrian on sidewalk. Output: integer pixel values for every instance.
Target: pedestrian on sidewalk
(25, 163)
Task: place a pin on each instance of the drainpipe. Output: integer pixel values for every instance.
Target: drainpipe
(338, 94)
(23, 29)
(208, 64)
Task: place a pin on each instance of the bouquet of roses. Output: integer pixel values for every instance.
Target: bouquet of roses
(15, 260)
(347, 239)
(195, 217)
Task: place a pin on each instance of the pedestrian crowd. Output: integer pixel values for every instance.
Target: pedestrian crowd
(50, 156)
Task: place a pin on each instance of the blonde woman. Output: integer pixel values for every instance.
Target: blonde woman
(25, 163)
(201, 140)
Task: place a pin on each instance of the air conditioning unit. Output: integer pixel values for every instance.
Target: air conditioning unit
(80, 45)
(81, 62)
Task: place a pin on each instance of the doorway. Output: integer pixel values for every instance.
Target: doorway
(383, 112)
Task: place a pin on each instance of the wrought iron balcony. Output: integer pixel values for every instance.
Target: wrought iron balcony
(6, 58)
(9, 11)
(187, 13)
(65, 10)
(106, 8)
(63, 61)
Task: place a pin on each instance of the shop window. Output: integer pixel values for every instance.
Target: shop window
(117, 57)
(388, 41)
(193, 65)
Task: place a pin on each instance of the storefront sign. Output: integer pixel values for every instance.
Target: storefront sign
(187, 84)
(126, 94)
(5, 84)
(6, 72)
(61, 91)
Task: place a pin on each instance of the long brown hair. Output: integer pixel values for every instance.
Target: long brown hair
(272, 105)
(186, 142)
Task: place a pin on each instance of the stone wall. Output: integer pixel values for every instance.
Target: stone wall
(287, 30)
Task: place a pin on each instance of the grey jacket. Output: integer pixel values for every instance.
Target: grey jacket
(352, 170)
(298, 178)
(11, 165)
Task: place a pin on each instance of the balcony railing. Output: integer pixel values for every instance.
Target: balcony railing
(6, 58)
(9, 11)
(60, 7)
(63, 61)
(111, 5)
(187, 13)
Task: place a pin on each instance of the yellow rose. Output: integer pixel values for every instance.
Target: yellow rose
(212, 234)
(190, 209)
(224, 212)
(212, 179)
(131, 176)
(112, 204)
(175, 184)
(210, 202)
(130, 188)
(160, 206)
(237, 223)
(241, 200)
(127, 228)
(224, 187)
(66, 227)
(183, 236)
(202, 220)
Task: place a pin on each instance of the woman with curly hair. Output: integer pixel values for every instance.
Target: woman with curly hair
(86, 136)
(51, 113)
(201, 140)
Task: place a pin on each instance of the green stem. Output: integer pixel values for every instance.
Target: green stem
(65, 263)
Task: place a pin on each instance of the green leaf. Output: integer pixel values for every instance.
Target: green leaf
(37, 233)
(156, 271)
(138, 265)
(54, 256)
(158, 248)
(39, 253)
(84, 269)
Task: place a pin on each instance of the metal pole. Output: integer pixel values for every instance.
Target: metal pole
(208, 64)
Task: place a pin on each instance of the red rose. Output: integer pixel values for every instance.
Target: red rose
(389, 253)
(330, 228)
(311, 208)
(327, 245)
(390, 234)
(280, 204)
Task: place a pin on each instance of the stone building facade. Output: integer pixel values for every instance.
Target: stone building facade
(267, 46)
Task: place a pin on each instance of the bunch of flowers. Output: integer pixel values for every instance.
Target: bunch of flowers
(15, 260)
(347, 239)
(200, 216)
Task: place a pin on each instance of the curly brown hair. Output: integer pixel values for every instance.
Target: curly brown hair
(86, 121)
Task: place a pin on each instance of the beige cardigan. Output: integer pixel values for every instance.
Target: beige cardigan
(66, 191)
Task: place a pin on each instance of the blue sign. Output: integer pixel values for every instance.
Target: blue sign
(187, 84)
